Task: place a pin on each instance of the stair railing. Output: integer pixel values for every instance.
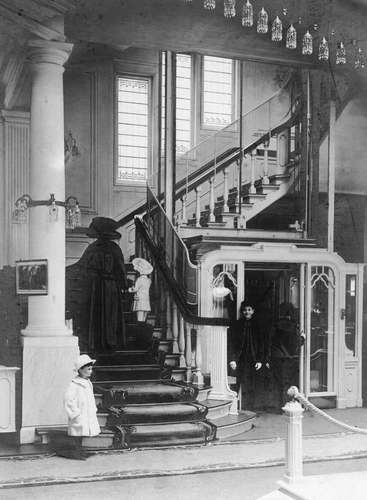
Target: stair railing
(174, 296)
(260, 126)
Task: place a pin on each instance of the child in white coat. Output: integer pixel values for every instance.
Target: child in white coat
(80, 406)
(141, 288)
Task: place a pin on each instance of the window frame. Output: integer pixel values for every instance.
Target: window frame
(234, 92)
(133, 182)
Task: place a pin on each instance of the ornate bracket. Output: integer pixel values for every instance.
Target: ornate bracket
(71, 205)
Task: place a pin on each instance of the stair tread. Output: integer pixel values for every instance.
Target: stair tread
(127, 367)
(232, 420)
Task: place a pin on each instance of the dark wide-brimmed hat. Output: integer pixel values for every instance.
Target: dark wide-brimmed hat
(103, 227)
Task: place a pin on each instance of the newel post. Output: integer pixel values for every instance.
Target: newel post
(293, 447)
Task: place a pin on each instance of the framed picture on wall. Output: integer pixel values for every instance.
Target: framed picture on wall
(31, 277)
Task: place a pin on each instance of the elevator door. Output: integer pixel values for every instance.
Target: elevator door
(274, 292)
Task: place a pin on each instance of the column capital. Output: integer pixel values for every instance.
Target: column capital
(49, 52)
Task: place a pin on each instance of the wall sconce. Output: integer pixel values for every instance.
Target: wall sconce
(71, 205)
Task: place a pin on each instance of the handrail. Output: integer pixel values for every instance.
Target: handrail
(174, 288)
(294, 393)
(204, 173)
(174, 230)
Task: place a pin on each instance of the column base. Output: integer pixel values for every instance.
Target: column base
(27, 435)
(47, 370)
(226, 396)
(47, 331)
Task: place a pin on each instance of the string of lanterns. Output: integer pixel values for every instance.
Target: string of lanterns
(261, 21)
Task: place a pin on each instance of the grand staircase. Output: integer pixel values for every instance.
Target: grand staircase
(138, 408)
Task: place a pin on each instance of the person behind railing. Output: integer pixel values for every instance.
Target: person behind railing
(285, 346)
(247, 352)
(141, 288)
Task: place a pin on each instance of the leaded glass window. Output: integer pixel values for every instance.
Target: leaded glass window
(133, 96)
(217, 91)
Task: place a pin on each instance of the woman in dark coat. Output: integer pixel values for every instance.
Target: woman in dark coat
(103, 262)
(247, 352)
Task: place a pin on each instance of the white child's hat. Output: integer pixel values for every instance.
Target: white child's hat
(142, 265)
(83, 360)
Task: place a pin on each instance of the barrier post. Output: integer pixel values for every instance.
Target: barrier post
(293, 447)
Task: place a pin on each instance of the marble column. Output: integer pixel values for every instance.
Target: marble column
(216, 359)
(49, 348)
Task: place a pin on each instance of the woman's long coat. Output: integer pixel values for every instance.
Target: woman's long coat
(104, 263)
(81, 409)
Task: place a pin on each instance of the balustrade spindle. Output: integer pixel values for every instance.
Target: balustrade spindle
(188, 353)
(211, 199)
(282, 151)
(252, 188)
(184, 217)
(175, 349)
(197, 378)
(198, 212)
(181, 341)
(265, 179)
(225, 190)
(169, 334)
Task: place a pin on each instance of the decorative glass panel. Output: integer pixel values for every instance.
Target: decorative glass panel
(217, 91)
(322, 329)
(132, 129)
(224, 291)
(350, 313)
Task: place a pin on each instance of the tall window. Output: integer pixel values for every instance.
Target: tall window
(217, 94)
(183, 103)
(133, 96)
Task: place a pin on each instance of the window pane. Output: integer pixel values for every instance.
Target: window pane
(217, 91)
(350, 313)
(133, 130)
(322, 329)
(183, 103)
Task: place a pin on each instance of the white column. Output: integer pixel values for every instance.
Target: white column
(331, 176)
(16, 182)
(216, 354)
(188, 353)
(293, 451)
(49, 348)
(197, 377)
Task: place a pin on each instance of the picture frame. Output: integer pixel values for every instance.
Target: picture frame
(31, 277)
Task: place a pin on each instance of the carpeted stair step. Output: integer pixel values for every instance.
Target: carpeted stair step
(232, 425)
(126, 357)
(127, 372)
(157, 413)
(141, 435)
(145, 391)
(58, 438)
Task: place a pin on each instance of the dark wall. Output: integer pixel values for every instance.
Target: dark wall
(13, 318)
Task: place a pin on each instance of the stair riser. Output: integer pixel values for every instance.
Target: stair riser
(218, 412)
(233, 430)
(137, 374)
(172, 413)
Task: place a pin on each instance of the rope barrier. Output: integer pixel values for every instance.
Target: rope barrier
(294, 393)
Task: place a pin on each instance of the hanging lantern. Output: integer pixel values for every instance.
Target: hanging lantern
(263, 22)
(360, 61)
(291, 41)
(277, 30)
(229, 8)
(341, 54)
(247, 14)
(209, 4)
(307, 44)
(323, 50)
